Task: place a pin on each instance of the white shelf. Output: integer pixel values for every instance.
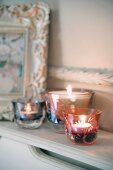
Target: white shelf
(99, 155)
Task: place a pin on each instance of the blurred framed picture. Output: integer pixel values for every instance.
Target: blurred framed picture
(14, 64)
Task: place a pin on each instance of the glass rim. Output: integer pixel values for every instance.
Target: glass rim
(86, 112)
(79, 91)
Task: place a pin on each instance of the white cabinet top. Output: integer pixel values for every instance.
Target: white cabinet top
(99, 155)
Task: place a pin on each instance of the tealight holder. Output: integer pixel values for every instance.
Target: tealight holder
(81, 125)
(59, 100)
(29, 113)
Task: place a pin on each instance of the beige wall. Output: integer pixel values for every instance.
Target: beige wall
(81, 33)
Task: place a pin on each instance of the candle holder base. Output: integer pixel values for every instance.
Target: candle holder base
(83, 139)
(31, 124)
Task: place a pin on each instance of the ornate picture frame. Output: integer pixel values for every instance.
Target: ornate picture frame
(34, 20)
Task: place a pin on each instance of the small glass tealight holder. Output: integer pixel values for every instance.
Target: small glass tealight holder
(81, 126)
(60, 100)
(29, 113)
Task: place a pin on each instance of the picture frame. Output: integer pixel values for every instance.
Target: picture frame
(33, 22)
(101, 77)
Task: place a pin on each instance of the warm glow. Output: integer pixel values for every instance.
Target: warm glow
(83, 119)
(82, 123)
(28, 107)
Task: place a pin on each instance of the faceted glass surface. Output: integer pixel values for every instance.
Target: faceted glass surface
(81, 125)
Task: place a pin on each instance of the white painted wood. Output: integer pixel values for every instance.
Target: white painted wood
(19, 156)
(99, 155)
(51, 161)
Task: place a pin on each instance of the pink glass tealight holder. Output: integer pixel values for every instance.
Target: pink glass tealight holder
(81, 126)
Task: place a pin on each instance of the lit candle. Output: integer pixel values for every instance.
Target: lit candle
(28, 109)
(82, 123)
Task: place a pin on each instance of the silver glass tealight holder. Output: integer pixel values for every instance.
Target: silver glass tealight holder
(29, 112)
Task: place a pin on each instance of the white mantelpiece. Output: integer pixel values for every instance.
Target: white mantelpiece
(99, 155)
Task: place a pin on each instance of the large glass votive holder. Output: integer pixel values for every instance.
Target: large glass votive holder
(29, 113)
(58, 101)
(82, 125)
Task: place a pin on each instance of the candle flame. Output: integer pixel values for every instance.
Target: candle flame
(69, 90)
(28, 107)
(83, 119)
(69, 93)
